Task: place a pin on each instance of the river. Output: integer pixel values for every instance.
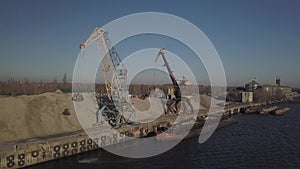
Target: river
(256, 141)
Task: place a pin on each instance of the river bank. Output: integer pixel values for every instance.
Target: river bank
(41, 149)
(44, 149)
(254, 142)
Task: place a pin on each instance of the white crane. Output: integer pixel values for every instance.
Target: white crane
(115, 76)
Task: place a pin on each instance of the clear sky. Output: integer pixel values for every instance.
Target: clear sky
(255, 38)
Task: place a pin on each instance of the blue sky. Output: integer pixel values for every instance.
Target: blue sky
(40, 39)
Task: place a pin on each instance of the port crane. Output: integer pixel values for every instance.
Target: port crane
(174, 104)
(115, 101)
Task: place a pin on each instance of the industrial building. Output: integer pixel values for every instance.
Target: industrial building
(247, 95)
(252, 85)
(273, 89)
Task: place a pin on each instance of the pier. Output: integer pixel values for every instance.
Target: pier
(21, 153)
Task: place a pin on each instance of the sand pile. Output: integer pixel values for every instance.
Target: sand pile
(36, 115)
(25, 116)
(139, 104)
(206, 100)
(151, 108)
(147, 110)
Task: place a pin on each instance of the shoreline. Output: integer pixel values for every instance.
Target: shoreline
(27, 152)
(222, 124)
(42, 149)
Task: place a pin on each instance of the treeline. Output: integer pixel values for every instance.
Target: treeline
(26, 87)
(260, 95)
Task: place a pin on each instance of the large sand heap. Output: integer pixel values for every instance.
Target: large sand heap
(139, 104)
(30, 116)
(206, 100)
(36, 115)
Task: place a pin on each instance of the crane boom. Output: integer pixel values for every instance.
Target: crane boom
(114, 72)
(177, 92)
(96, 34)
(115, 76)
(174, 104)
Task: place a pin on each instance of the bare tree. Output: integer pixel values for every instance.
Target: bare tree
(261, 95)
(278, 95)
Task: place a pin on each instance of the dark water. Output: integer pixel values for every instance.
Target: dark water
(254, 142)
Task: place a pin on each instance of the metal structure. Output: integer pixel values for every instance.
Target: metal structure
(114, 72)
(173, 104)
(115, 102)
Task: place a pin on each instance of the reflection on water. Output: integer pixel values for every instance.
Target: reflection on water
(254, 142)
